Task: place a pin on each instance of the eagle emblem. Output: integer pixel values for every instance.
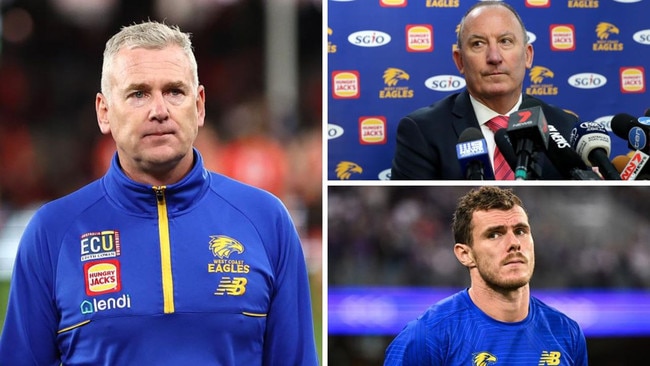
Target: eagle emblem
(222, 246)
(345, 169)
(538, 73)
(393, 75)
(604, 29)
(483, 359)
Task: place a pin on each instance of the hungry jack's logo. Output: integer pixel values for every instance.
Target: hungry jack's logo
(345, 84)
(632, 79)
(563, 37)
(419, 38)
(102, 277)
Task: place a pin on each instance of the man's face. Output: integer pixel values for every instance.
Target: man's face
(153, 110)
(494, 54)
(503, 249)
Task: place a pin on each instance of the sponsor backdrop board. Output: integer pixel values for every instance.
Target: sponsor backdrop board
(387, 58)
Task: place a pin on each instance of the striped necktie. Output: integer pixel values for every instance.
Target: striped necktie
(502, 170)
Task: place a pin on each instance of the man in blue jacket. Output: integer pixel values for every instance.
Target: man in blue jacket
(159, 262)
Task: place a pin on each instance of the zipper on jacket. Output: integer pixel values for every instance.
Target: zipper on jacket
(165, 251)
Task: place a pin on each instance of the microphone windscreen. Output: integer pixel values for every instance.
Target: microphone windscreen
(621, 124)
(470, 134)
(620, 162)
(502, 140)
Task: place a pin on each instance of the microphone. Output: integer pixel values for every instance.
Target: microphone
(472, 153)
(502, 141)
(619, 162)
(565, 159)
(634, 130)
(637, 168)
(528, 130)
(591, 141)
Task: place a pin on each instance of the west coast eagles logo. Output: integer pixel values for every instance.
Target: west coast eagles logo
(538, 76)
(539, 73)
(222, 246)
(345, 169)
(392, 76)
(483, 359)
(603, 31)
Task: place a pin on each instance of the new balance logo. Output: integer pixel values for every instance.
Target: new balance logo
(236, 286)
(549, 358)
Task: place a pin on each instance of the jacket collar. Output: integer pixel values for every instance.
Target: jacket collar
(140, 199)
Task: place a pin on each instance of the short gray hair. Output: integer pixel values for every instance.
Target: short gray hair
(148, 35)
(485, 3)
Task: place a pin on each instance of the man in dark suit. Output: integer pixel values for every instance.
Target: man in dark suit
(493, 54)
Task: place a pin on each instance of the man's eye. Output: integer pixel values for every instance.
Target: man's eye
(138, 94)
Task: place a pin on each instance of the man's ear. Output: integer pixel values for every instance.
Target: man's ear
(465, 255)
(101, 108)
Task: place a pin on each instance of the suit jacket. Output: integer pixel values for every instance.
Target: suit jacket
(427, 138)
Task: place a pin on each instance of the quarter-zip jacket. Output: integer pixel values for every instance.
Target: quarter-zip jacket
(207, 271)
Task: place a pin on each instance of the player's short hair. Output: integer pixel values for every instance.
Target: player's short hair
(480, 199)
(149, 35)
(485, 3)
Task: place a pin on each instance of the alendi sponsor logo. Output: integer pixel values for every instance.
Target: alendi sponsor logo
(604, 31)
(95, 305)
(392, 76)
(222, 247)
(538, 77)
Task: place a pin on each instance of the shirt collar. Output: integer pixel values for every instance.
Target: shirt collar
(484, 114)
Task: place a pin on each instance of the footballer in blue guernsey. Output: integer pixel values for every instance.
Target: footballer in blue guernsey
(495, 321)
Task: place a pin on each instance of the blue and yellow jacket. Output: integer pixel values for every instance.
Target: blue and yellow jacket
(207, 271)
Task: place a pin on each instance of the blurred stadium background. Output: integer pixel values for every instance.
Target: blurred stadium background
(260, 62)
(390, 257)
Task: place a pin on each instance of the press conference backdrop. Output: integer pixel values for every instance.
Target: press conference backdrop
(387, 58)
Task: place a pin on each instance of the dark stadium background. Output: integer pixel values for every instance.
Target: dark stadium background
(587, 238)
(260, 62)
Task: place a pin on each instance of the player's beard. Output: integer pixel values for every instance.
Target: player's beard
(499, 282)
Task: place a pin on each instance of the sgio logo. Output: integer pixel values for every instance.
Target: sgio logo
(334, 131)
(642, 37)
(369, 38)
(587, 81)
(445, 83)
